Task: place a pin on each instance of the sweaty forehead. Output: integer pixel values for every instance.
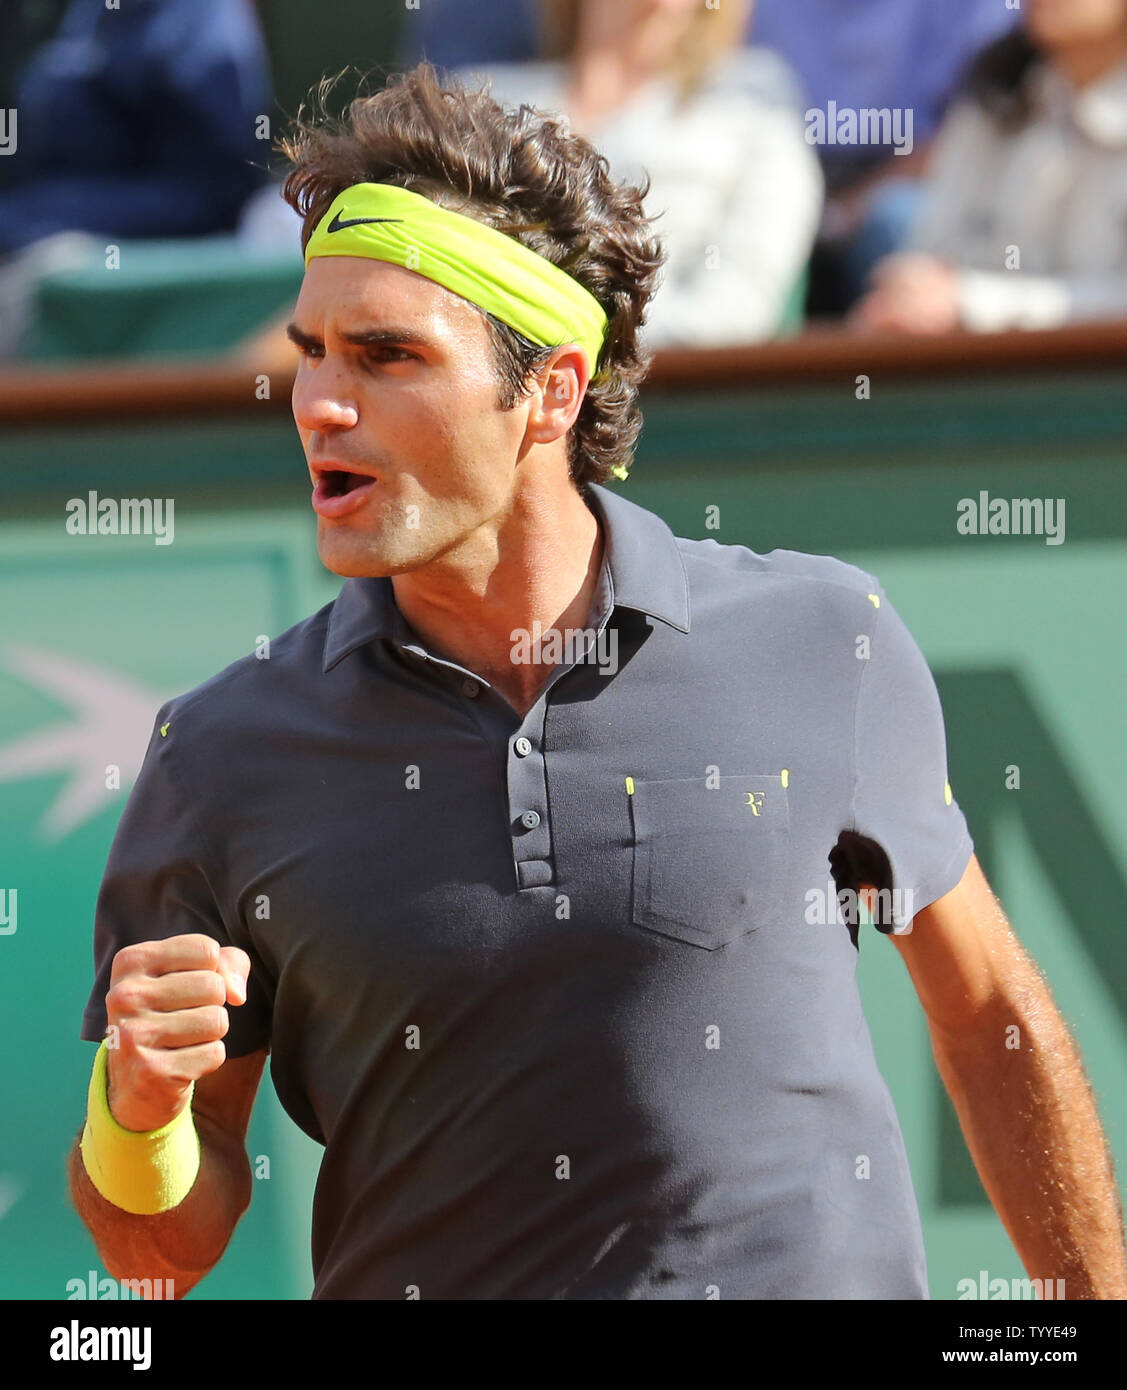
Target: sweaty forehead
(342, 293)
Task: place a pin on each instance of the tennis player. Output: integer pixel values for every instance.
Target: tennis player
(536, 861)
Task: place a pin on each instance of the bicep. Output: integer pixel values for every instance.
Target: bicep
(962, 953)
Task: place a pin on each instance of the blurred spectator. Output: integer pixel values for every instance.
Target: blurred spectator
(138, 121)
(663, 87)
(1026, 219)
(24, 25)
(905, 57)
(132, 122)
(895, 55)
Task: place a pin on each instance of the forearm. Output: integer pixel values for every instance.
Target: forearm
(181, 1244)
(1030, 1121)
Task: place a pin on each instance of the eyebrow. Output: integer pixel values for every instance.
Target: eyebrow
(367, 337)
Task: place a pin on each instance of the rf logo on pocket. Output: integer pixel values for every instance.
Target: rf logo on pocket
(701, 874)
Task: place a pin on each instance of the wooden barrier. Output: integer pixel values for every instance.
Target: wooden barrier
(217, 387)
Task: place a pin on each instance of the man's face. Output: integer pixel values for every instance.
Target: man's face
(417, 410)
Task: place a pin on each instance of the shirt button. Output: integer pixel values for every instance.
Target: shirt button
(523, 747)
(530, 820)
(470, 688)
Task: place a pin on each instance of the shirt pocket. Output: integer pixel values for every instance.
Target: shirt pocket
(708, 858)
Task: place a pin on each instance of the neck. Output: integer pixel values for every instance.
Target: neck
(537, 563)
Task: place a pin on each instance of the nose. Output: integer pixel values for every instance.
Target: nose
(322, 400)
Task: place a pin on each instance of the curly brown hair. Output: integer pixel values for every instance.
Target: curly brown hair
(521, 172)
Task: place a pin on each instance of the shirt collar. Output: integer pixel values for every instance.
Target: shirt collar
(642, 558)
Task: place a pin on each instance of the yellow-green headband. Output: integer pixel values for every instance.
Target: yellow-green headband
(487, 267)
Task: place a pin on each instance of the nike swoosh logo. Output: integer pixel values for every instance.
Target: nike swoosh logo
(338, 224)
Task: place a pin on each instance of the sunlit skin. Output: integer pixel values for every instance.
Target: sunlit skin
(501, 537)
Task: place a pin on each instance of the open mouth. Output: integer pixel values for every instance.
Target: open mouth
(339, 492)
(337, 483)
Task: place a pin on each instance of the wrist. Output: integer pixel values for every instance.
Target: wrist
(140, 1171)
(133, 1108)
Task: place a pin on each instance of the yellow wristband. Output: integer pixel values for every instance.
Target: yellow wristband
(141, 1172)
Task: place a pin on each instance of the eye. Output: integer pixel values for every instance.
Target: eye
(384, 353)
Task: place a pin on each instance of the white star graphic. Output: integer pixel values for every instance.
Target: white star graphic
(9, 1195)
(113, 720)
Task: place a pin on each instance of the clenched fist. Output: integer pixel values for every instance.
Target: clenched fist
(167, 1001)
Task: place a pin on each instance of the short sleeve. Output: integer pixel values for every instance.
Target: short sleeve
(902, 800)
(158, 883)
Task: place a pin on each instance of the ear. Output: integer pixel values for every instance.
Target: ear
(556, 396)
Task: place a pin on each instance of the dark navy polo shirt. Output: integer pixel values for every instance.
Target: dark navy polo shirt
(569, 1000)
